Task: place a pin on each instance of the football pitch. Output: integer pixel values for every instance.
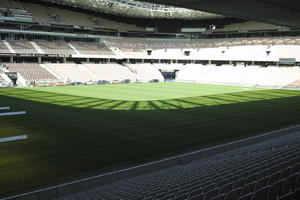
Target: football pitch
(78, 131)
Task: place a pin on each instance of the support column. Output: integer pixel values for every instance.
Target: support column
(11, 59)
(64, 59)
(88, 60)
(209, 62)
(39, 59)
(252, 63)
(230, 62)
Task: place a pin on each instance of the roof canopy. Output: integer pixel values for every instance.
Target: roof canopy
(132, 8)
(280, 12)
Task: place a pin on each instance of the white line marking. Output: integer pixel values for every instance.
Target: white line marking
(4, 108)
(14, 138)
(12, 113)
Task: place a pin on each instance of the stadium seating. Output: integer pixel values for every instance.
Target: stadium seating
(294, 84)
(238, 49)
(112, 72)
(40, 13)
(30, 71)
(253, 76)
(284, 51)
(3, 48)
(249, 25)
(166, 44)
(13, 10)
(22, 46)
(110, 24)
(72, 18)
(257, 49)
(144, 43)
(53, 15)
(191, 72)
(227, 75)
(274, 76)
(233, 49)
(129, 46)
(71, 72)
(55, 47)
(92, 48)
(268, 170)
(240, 75)
(10, 4)
(147, 72)
(73, 31)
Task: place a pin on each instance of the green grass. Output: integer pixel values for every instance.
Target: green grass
(145, 91)
(84, 130)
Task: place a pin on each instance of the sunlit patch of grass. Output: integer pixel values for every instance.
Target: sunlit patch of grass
(61, 97)
(72, 135)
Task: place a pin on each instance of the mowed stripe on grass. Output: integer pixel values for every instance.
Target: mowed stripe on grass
(73, 136)
(145, 91)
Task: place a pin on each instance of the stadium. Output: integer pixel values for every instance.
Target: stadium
(149, 99)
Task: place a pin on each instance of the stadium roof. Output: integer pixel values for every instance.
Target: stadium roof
(132, 8)
(280, 12)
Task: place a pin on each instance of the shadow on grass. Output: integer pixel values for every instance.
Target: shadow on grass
(181, 103)
(71, 136)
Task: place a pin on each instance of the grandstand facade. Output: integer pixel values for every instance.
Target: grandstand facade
(34, 35)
